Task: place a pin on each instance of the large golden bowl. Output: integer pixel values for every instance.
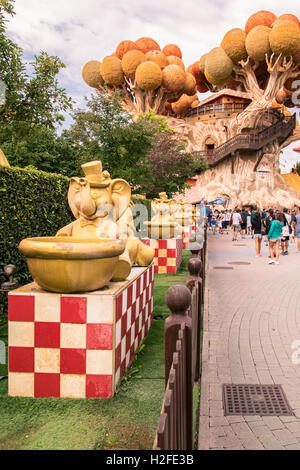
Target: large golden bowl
(67, 264)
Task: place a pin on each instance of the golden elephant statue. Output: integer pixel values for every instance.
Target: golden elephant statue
(102, 208)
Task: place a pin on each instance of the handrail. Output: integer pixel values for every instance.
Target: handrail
(216, 108)
(282, 128)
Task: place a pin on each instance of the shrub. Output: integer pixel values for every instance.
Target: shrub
(33, 203)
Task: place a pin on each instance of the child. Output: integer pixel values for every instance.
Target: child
(213, 225)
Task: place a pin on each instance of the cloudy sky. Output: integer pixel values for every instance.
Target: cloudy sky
(79, 31)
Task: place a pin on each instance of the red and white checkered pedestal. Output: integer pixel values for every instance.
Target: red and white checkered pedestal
(77, 346)
(189, 234)
(168, 254)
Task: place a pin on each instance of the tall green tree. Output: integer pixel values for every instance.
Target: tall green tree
(42, 149)
(29, 99)
(106, 132)
(32, 104)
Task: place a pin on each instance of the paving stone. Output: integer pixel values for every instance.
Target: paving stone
(285, 437)
(294, 428)
(273, 422)
(292, 447)
(270, 442)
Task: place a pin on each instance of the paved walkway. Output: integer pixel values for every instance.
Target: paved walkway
(252, 317)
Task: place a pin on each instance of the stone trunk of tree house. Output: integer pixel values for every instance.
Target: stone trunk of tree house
(168, 254)
(79, 345)
(240, 179)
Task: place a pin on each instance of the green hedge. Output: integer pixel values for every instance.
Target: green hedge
(32, 204)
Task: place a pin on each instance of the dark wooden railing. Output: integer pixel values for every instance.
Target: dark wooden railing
(279, 130)
(182, 356)
(220, 108)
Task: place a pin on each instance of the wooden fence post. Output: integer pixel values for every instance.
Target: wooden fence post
(178, 300)
(194, 284)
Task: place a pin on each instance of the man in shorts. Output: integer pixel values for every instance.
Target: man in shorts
(236, 223)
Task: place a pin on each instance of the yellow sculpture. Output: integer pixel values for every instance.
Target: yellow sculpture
(3, 159)
(163, 224)
(103, 226)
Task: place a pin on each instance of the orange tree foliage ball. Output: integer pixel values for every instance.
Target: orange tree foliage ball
(172, 49)
(258, 42)
(281, 97)
(173, 78)
(130, 62)
(288, 17)
(218, 66)
(148, 76)
(91, 74)
(190, 84)
(262, 17)
(172, 59)
(199, 76)
(111, 71)
(158, 57)
(233, 44)
(285, 38)
(147, 45)
(124, 47)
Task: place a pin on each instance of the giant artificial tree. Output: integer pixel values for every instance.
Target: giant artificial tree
(262, 60)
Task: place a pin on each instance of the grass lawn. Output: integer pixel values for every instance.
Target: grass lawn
(128, 421)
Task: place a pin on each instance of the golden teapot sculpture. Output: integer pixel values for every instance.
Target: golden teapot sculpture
(163, 224)
(99, 246)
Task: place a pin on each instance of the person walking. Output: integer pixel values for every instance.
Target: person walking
(244, 215)
(236, 221)
(268, 221)
(274, 237)
(256, 229)
(286, 232)
(296, 223)
(227, 221)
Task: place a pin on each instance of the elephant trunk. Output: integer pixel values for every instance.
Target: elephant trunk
(87, 204)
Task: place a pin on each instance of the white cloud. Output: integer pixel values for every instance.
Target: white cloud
(79, 31)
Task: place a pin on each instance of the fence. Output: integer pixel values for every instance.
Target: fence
(182, 356)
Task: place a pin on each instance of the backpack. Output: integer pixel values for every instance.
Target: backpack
(289, 226)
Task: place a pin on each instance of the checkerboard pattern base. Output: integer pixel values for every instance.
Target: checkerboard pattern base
(189, 234)
(77, 346)
(168, 254)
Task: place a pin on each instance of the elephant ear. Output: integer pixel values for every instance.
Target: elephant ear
(74, 196)
(121, 196)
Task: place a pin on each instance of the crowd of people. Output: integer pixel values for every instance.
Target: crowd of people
(277, 228)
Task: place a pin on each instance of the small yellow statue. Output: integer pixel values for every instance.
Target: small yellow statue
(3, 159)
(102, 208)
(163, 223)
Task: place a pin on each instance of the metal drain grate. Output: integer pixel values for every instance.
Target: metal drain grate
(222, 267)
(262, 400)
(239, 263)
